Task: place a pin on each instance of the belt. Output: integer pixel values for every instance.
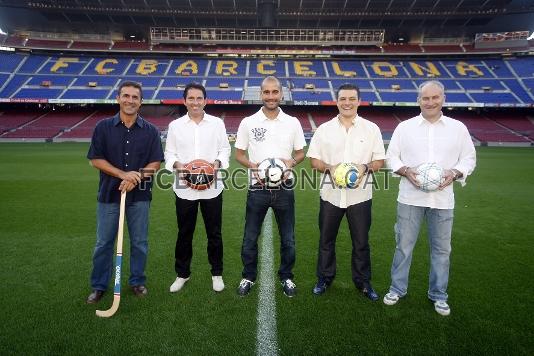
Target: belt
(287, 184)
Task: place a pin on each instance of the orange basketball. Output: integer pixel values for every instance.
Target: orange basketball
(199, 174)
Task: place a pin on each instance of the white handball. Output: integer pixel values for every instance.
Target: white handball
(271, 171)
(346, 175)
(430, 176)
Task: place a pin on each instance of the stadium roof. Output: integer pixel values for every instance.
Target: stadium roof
(396, 14)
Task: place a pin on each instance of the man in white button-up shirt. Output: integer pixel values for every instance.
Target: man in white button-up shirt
(430, 137)
(270, 133)
(346, 138)
(197, 135)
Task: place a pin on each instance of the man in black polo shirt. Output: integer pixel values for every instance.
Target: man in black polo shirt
(127, 150)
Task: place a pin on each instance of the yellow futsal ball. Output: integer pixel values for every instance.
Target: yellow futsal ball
(346, 175)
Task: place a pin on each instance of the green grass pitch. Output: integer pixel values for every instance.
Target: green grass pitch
(47, 229)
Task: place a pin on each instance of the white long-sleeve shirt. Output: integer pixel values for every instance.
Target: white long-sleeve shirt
(446, 142)
(187, 141)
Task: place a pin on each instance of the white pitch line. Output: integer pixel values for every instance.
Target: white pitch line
(266, 342)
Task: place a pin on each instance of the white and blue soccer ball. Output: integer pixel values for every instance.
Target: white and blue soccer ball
(430, 176)
(271, 172)
(346, 175)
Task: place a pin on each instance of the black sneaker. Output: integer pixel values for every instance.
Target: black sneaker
(320, 287)
(244, 287)
(370, 293)
(289, 288)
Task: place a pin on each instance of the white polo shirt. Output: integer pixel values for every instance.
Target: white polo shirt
(446, 142)
(187, 140)
(333, 144)
(269, 138)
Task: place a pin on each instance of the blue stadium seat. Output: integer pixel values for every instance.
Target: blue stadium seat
(232, 82)
(449, 84)
(37, 93)
(498, 67)
(56, 80)
(146, 82)
(225, 94)
(400, 96)
(13, 85)
(9, 62)
(523, 67)
(479, 84)
(101, 80)
(311, 96)
(32, 63)
(300, 83)
(88, 93)
(404, 84)
(494, 98)
(518, 90)
(457, 98)
(173, 82)
(361, 83)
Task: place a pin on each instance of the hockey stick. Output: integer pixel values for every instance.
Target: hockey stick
(118, 261)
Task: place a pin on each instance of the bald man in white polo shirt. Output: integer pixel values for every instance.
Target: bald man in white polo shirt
(430, 137)
(269, 133)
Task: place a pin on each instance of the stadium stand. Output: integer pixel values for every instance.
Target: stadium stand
(495, 81)
(90, 45)
(84, 128)
(517, 122)
(486, 130)
(48, 125)
(15, 118)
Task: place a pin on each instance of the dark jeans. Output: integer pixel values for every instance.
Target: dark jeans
(359, 219)
(282, 201)
(186, 217)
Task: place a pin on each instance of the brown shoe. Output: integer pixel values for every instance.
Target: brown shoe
(140, 291)
(95, 296)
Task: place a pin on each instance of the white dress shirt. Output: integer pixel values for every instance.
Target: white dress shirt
(269, 138)
(445, 142)
(332, 143)
(187, 141)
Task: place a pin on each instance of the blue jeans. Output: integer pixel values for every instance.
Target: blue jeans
(282, 201)
(106, 232)
(439, 223)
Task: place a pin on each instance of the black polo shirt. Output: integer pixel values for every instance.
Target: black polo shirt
(128, 149)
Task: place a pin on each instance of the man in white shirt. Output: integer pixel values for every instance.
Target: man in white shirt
(430, 137)
(197, 135)
(346, 138)
(269, 133)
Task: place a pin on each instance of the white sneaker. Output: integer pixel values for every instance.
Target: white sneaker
(178, 284)
(442, 308)
(218, 284)
(391, 298)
